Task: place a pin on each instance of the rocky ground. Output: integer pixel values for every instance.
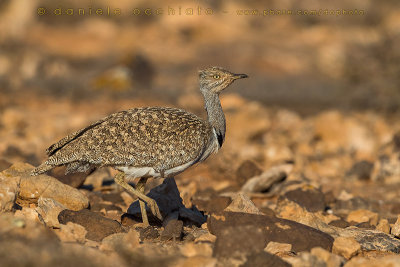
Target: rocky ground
(285, 190)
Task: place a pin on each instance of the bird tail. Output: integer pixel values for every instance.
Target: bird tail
(44, 167)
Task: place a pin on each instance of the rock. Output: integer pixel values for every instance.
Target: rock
(306, 259)
(9, 189)
(278, 248)
(71, 232)
(362, 170)
(243, 233)
(247, 170)
(346, 247)
(4, 164)
(396, 228)
(339, 223)
(331, 260)
(242, 203)
(361, 216)
(267, 179)
(263, 258)
(118, 241)
(96, 225)
(168, 199)
(28, 214)
(207, 237)
(33, 187)
(75, 180)
(173, 230)
(355, 203)
(308, 197)
(197, 261)
(192, 250)
(148, 233)
(386, 261)
(49, 209)
(383, 226)
(217, 204)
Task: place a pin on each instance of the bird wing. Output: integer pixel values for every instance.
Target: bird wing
(162, 138)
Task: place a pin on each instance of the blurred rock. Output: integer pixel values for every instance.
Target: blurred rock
(71, 232)
(330, 259)
(361, 216)
(118, 241)
(148, 233)
(197, 261)
(207, 237)
(33, 187)
(362, 170)
(242, 203)
(308, 197)
(168, 199)
(75, 180)
(306, 259)
(173, 230)
(346, 247)
(383, 226)
(278, 248)
(339, 223)
(244, 233)
(247, 170)
(96, 225)
(4, 164)
(396, 228)
(49, 209)
(386, 261)
(267, 179)
(9, 190)
(263, 258)
(192, 250)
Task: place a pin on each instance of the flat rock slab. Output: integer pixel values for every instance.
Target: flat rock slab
(169, 201)
(308, 197)
(239, 233)
(97, 226)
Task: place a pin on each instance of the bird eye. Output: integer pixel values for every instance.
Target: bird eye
(216, 76)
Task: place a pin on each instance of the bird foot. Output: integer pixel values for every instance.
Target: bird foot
(154, 208)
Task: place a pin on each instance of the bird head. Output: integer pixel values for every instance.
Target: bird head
(216, 79)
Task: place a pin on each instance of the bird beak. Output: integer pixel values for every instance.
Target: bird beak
(240, 76)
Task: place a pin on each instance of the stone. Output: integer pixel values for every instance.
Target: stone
(278, 248)
(207, 237)
(173, 230)
(75, 180)
(242, 203)
(339, 223)
(148, 233)
(330, 259)
(346, 247)
(361, 216)
(71, 232)
(263, 258)
(191, 250)
(247, 170)
(33, 187)
(386, 261)
(4, 164)
(263, 182)
(96, 225)
(362, 170)
(383, 226)
(396, 228)
(9, 189)
(168, 199)
(241, 234)
(308, 197)
(118, 241)
(49, 209)
(197, 261)
(306, 259)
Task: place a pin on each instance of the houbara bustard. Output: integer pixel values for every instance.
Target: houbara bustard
(147, 142)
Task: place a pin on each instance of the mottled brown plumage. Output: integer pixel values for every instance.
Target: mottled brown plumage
(145, 142)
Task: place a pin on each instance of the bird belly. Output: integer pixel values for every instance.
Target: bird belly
(135, 172)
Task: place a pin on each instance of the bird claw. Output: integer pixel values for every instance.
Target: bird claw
(154, 209)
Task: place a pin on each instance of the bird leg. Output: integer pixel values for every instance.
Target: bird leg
(120, 179)
(140, 187)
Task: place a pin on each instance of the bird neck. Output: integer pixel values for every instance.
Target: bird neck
(215, 114)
